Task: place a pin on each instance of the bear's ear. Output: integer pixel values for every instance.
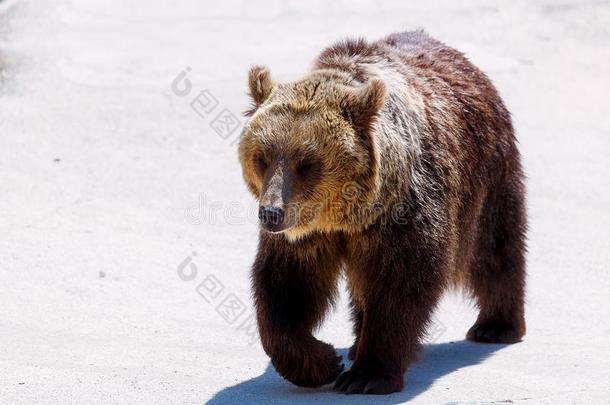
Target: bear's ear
(361, 105)
(259, 85)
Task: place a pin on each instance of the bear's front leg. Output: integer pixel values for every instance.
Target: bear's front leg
(294, 284)
(399, 284)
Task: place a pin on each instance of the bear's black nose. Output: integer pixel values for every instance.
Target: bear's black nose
(271, 217)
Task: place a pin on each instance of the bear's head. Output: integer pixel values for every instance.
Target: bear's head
(309, 154)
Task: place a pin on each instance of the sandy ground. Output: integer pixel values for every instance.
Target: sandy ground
(128, 233)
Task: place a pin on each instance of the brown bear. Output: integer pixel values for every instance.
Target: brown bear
(394, 162)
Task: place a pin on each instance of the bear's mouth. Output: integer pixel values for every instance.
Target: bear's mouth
(278, 229)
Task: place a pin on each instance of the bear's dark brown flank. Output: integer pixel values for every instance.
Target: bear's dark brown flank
(439, 143)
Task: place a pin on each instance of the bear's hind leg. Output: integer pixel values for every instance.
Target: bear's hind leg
(497, 276)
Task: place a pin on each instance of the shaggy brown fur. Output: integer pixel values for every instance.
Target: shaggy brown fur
(395, 162)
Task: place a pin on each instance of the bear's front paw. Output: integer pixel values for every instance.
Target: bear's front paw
(495, 332)
(312, 366)
(358, 382)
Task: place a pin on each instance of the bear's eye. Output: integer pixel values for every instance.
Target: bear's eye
(261, 162)
(304, 167)
(308, 168)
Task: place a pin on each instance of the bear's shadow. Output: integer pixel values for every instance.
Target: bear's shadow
(436, 361)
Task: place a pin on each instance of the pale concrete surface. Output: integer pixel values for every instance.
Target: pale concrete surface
(109, 181)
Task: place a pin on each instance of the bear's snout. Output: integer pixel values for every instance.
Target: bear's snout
(271, 218)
